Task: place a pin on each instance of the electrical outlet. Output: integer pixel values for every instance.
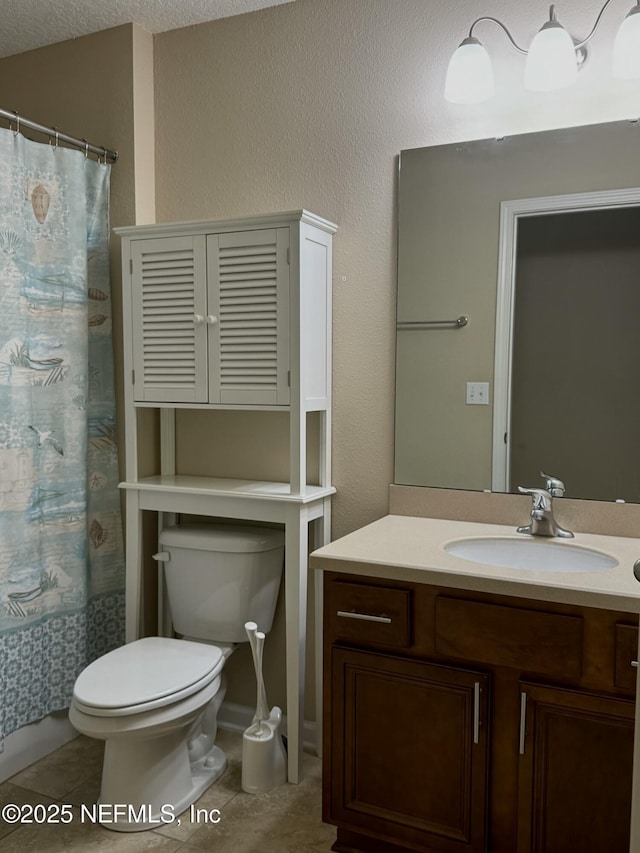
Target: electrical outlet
(477, 393)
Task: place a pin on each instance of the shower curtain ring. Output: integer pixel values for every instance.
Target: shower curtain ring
(56, 137)
(17, 130)
(86, 148)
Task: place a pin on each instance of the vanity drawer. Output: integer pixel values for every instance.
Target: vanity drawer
(363, 613)
(527, 640)
(626, 651)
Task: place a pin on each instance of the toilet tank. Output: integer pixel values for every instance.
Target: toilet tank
(220, 576)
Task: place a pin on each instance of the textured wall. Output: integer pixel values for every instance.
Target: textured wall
(308, 105)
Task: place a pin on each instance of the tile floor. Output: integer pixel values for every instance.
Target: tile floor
(285, 820)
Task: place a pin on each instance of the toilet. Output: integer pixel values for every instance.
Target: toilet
(155, 701)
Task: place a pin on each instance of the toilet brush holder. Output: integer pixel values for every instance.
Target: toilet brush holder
(264, 763)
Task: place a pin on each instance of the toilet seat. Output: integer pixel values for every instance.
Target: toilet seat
(150, 673)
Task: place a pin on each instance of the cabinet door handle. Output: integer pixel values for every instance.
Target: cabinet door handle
(635, 663)
(211, 320)
(198, 319)
(523, 721)
(366, 617)
(476, 712)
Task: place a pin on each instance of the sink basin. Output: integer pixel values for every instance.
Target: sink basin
(537, 555)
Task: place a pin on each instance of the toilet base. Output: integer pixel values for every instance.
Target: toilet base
(148, 792)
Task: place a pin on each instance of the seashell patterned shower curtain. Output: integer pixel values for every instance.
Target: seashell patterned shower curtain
(61, 554)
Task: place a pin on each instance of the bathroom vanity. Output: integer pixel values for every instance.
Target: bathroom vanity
(475, 707)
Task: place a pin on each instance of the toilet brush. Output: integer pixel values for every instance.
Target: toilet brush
(263, 756)
(262, 708)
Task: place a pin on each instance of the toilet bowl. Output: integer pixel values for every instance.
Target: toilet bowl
(147, 700)
(155, 701)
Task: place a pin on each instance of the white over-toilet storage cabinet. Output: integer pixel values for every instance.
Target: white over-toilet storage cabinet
(232, 314)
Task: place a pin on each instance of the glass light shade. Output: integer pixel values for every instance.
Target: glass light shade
(469, 75)
(626, 48)
(551, 60)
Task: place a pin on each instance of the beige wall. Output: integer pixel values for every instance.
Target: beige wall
(308, 105)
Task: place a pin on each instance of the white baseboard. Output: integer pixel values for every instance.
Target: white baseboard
(237, 718)
(33, 742)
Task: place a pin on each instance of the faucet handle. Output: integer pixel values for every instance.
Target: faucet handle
(541, 498)
(553, 485)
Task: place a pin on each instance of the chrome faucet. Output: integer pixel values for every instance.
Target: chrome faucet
(542, 521)
(553, 485)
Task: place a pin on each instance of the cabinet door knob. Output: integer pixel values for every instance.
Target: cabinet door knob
(635, 663)
(198, 319)
(211, 320)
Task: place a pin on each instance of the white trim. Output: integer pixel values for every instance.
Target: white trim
(234, 717)
(510, 211)
(246, 223)
(35, 741)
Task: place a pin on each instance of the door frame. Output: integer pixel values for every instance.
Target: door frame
(510, 213)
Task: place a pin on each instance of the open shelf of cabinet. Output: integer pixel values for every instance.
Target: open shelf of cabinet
(233, 314)
(181, 487)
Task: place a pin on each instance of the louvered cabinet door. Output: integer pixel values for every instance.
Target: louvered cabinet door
(169, 319)
(248, 320)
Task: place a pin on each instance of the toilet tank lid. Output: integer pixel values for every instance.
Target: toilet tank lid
(223, 537)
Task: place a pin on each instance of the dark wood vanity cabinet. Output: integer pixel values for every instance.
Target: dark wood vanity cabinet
(459, 721)
(408, 765)
(574, 775)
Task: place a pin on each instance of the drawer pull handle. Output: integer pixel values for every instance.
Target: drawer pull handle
(635, 663)
(523, 721)
(476, 712)
(366, 617)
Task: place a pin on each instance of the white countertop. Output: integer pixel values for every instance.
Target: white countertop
(407, 548)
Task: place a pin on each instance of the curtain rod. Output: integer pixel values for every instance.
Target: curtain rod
(52, 133)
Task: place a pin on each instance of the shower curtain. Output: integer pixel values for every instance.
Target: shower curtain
(61, 554)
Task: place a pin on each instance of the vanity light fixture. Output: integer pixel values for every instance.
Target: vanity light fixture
(553, 58)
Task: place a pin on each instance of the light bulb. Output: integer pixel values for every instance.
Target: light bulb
(551, 60)
(470, 74)
(626, 48)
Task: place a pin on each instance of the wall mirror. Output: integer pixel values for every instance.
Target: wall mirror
(536, 240)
